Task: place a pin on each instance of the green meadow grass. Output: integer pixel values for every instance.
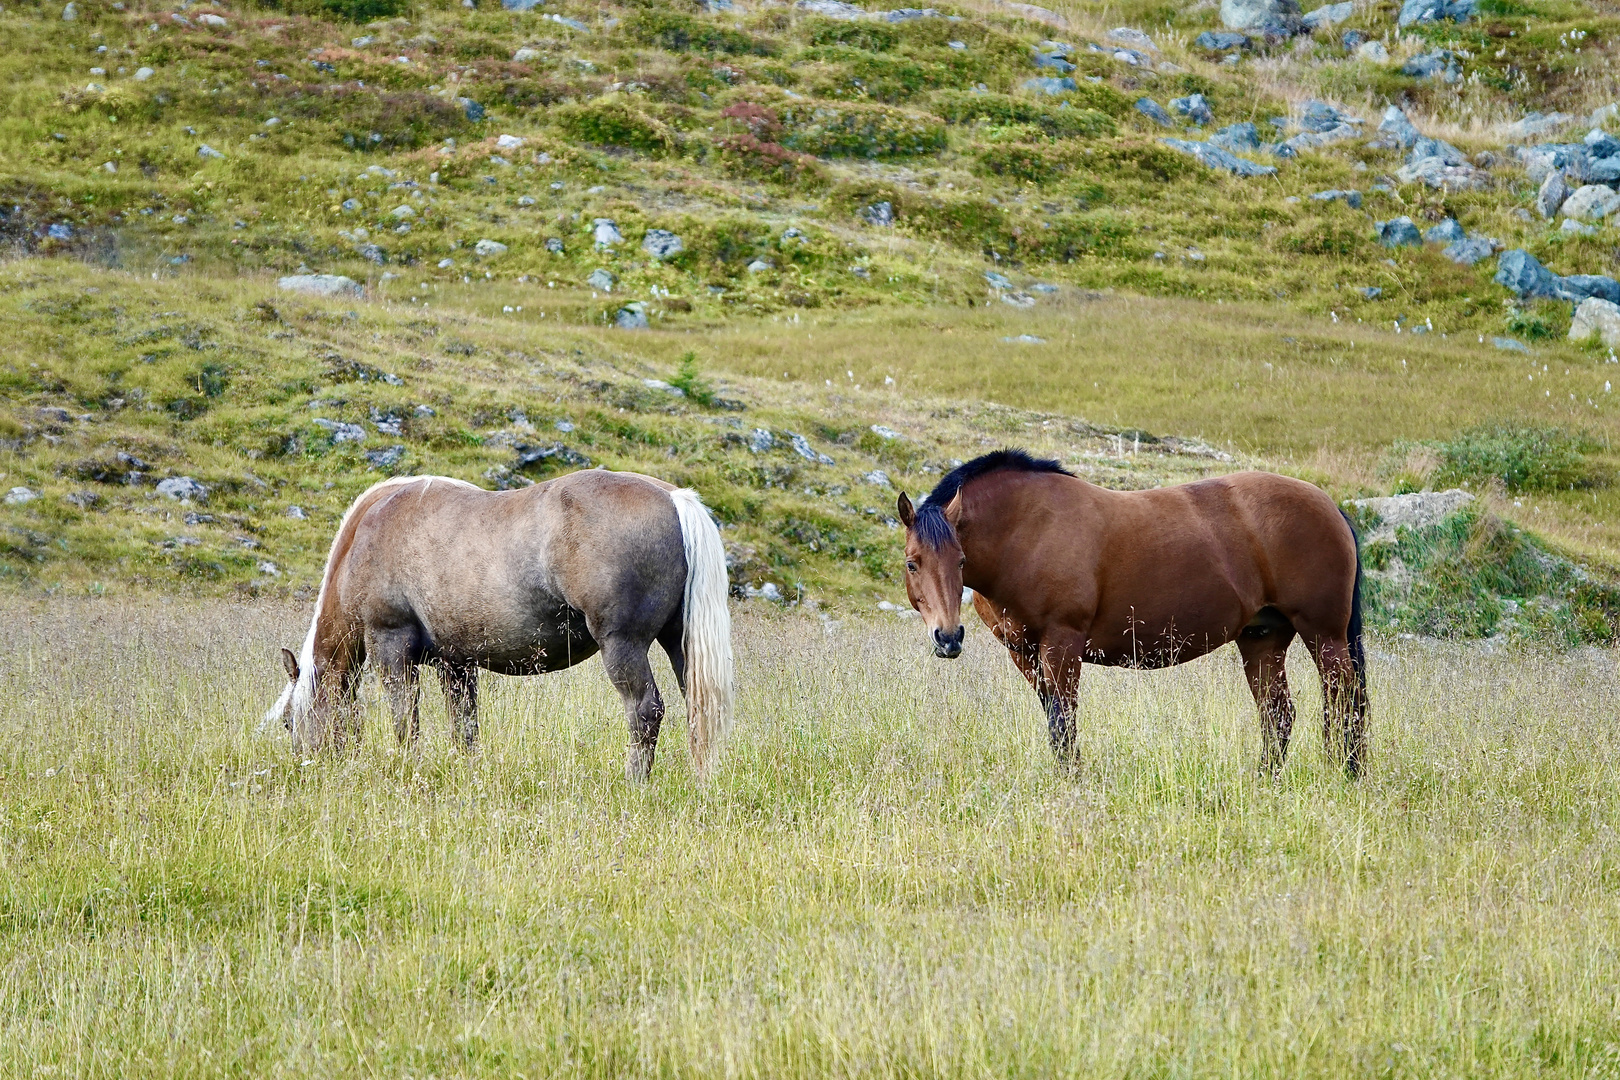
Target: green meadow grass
(887, 877)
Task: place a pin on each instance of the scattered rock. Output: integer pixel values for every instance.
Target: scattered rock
(1373, 52)
(1052, 61)
(487, 248)
(1507, 344)
(1222, 41)
(19, 495)
(530, 456)
(1319, 117)
(70, 12)
(886, 433)
(1215, 158)
(1398, 232)
(1595, 315)
(662, 244)
(386, 458)
(880, 214)
(1416, 11)
(341, 432)
(143, 73)
(297, 513)
(1447, 232)
(320, 285)
(471, 109)
(802, 447)
(997, 280)
(1329, 15)
(1372, 292)
(554, 245)
(372, 253)
(210, 19)
(769, 590)
(1132, 38)
(206, 151)
(1275, 16)
(877, 478)
(1585, 286)
(601, 280)
(1592, 202)
(1154, 111)
(1414, 511)
(759, 266)
(1395, 131)
(1523, 273)
(1570, 226)
(632, 316)
(84, 500)
(1554, 190)
(1441, 63)
(1352, 199)
(1537, 124)
(760, 441)
(1194, 108)
(605, 232)
(183, 488)
(1051, 85)
(1035, 13)
(1025, 339)
(1244, 137)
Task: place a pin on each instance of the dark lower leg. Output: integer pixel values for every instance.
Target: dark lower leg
(631, 675)
(1265, 666)
(461, 702)
(1344, 708)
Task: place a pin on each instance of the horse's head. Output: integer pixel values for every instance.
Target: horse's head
(306, 708)
(934, 571)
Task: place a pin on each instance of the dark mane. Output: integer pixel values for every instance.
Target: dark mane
(931, 525)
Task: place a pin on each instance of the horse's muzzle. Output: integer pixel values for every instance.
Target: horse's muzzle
(949, 646)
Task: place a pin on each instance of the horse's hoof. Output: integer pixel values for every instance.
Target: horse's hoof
(638, 764)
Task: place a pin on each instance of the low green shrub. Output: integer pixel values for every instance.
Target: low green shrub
(1521, 457)
(1544, 322)
(613, 120)
(859, 130)
(678, 32)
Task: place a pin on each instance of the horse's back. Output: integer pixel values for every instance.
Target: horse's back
(496, 575)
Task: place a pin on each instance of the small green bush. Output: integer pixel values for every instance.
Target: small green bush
(1537, 324)
(676, 32)
(1057, 123)
(354, 11)
(873, 37)
(1523, 458)
(691, 382)
(858, 130)
(612, 120)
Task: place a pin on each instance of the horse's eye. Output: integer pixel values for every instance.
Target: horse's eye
(911, 567)
(962, 563)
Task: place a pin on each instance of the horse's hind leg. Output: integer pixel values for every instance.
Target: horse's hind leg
(626, 661)
(460, 682)
(1264, 649)
(1344, 704)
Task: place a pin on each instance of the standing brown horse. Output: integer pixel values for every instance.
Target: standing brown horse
(429, 569)
(1063, 571)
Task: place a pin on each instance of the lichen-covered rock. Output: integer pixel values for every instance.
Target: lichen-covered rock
(320, 285)
(1398, 232)
(1592, 202)
(1153, 111)
(1595, 315)
(1416, 11)
(1216, 158)
(1523, 273)
(1554, 190)
(662, 244)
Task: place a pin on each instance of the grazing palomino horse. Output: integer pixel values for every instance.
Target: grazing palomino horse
(1063, 572)
(427, 569)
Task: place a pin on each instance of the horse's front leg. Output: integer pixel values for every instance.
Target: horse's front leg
(1057, 682)
(460, 682)
(394, 653)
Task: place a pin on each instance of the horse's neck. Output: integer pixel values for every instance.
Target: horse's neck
(982, 530)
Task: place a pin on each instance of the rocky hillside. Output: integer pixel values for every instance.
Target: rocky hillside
(683, 161)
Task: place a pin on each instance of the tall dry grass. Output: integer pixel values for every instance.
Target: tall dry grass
(888, 876)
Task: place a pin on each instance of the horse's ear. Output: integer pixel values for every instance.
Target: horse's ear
(290, 662)
(908, 513)
(953, 510)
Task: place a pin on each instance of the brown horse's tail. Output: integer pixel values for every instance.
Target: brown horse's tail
(1358, 647)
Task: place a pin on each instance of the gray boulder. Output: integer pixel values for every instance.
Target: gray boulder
(1329, 15)
(662, 244)
(1352, 199)
(1600, 144)
(1395, 131)
(1051, 85)
(1537, 124)
(320, 285)
(1273, 15)
(183, 488)
(1592, 202)
(632, 316)
(1398, 232)
(1470, 251)
(1244, 137)
(1543, 158)
(601, 280)
(880, 214)
(488, 248)
(1552, 195)
(386, 458)
(1194, 108)
(1523, 273)
(1435, 148)
(339, 431)
(1221, 41)
(1441, 64)
(1215, 158)
(605, 232)
(1447, 232)
(1596, 316)
(1580, 287)
(1318, 117)
(1416, 11)
(1052, 61)
(1154, 111)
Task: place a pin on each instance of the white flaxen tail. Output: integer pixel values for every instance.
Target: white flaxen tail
(707, 631)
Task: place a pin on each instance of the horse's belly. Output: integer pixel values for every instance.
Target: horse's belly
(1157, 643)
(514, 645)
